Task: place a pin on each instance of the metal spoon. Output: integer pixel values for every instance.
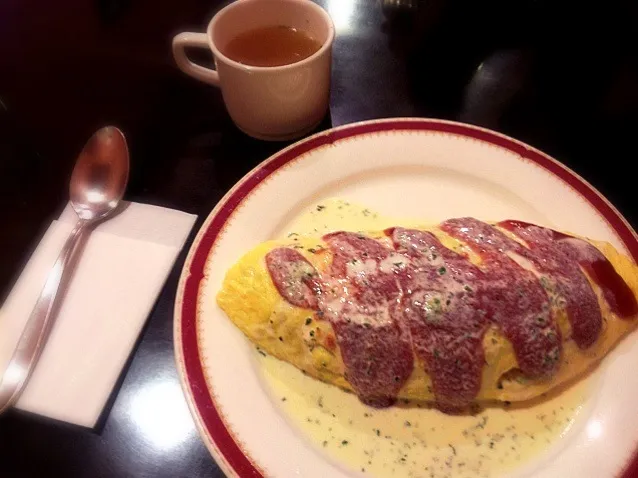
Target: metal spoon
(97, 186)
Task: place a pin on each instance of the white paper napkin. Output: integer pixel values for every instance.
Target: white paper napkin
(117, 279)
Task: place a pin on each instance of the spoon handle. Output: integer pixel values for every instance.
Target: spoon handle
(37, 329)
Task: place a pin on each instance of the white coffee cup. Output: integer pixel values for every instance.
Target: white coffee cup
(272, 103)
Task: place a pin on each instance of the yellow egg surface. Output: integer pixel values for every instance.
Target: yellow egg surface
(252, 302)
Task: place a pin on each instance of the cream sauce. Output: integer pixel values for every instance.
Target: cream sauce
(412, 439)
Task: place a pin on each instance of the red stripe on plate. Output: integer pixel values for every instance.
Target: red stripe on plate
(213, 422)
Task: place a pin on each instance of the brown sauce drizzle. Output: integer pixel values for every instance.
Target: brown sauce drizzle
(388, 302)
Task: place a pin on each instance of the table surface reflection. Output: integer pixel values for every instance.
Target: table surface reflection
(530, 69)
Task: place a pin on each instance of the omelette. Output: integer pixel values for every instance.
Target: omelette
(454, 314)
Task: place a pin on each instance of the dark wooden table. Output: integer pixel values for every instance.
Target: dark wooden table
(564, 79)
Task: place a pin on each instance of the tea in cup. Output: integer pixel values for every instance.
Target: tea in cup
(272, 63)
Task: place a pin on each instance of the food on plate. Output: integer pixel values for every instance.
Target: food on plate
(457, 313)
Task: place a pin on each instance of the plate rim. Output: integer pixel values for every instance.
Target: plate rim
(219, 440)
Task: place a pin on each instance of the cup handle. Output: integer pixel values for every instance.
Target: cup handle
(197, 40)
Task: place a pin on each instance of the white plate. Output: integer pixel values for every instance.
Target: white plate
(402, 167)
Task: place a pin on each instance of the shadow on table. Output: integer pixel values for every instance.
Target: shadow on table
(205, 155)
(536, 70)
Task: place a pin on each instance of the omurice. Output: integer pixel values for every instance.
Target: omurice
(457, 313)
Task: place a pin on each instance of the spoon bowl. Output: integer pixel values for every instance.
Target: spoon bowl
(100, 175)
